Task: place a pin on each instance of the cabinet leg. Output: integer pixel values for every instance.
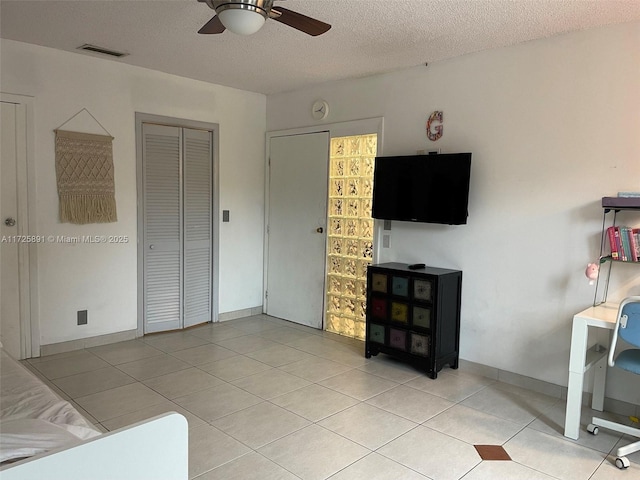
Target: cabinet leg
(454, 364)
(370, 351)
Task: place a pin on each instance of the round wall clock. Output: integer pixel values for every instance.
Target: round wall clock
(320, 110)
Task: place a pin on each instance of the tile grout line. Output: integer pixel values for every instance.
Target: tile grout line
(315, 356)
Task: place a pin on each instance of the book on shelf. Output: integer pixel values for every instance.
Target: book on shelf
(624, 243)
(634, 242)
(613, 243)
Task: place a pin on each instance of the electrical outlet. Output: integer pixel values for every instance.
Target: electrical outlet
(82, 317)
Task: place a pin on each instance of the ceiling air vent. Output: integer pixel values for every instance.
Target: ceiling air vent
(101, 50)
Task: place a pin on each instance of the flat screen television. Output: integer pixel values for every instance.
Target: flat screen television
(422, 188)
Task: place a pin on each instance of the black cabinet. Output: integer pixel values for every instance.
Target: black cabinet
(414, 314)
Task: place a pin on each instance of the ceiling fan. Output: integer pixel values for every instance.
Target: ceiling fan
(246, 17)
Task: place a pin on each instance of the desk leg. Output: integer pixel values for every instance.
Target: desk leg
(574, 405)
(600, 375)
(579, 338)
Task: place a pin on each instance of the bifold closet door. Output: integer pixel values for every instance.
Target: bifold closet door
(161, 158)
(177, 170)
(197, 174)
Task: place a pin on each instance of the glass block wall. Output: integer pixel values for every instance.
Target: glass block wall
(350, 240)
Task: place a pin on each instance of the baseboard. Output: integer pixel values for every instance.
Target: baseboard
(71, 345)
(547, 388)
(245, 312)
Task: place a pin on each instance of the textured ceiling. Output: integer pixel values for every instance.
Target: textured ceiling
(368, 36)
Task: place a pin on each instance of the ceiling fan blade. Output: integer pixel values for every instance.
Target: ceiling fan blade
(212, 26)
(305, 24)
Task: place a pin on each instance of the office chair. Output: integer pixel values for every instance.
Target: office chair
(628, 328)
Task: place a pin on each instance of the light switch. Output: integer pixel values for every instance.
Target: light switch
(225, 215)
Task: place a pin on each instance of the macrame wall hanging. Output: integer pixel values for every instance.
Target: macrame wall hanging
(85, 176)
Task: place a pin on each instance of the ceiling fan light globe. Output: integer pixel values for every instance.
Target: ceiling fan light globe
(241, 21)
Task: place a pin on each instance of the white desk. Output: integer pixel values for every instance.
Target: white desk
(582, 358)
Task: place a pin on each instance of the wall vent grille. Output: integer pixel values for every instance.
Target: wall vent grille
(101, 50)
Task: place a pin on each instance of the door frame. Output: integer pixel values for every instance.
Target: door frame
(338, 129)
(27, 252)
(214, 128)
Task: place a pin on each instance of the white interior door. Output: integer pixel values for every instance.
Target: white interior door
(12, 147)
(297, 227)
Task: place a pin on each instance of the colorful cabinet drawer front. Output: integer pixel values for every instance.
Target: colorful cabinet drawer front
(400, 286)
(420, 345)
(379, 308)
(398, 339)
(379, 282)
(399, 312)
(376, 333)
(422, 290)
(422, 317)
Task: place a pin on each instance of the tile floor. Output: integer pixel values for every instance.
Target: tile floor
(269, 399)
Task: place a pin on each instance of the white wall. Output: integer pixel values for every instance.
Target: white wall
(553, 126)
(102, 278)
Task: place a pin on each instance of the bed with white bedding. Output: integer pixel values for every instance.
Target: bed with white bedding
(33, 419)
(44, 436)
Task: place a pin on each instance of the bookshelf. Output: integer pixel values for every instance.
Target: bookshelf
(612, 241)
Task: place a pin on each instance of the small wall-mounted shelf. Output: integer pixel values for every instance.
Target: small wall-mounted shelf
(615, 205)
(620, 203)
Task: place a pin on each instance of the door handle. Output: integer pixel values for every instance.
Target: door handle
(319, 230)
(10, 222)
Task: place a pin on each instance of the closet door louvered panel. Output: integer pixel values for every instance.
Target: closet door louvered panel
(162, 228)
(197, 226)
